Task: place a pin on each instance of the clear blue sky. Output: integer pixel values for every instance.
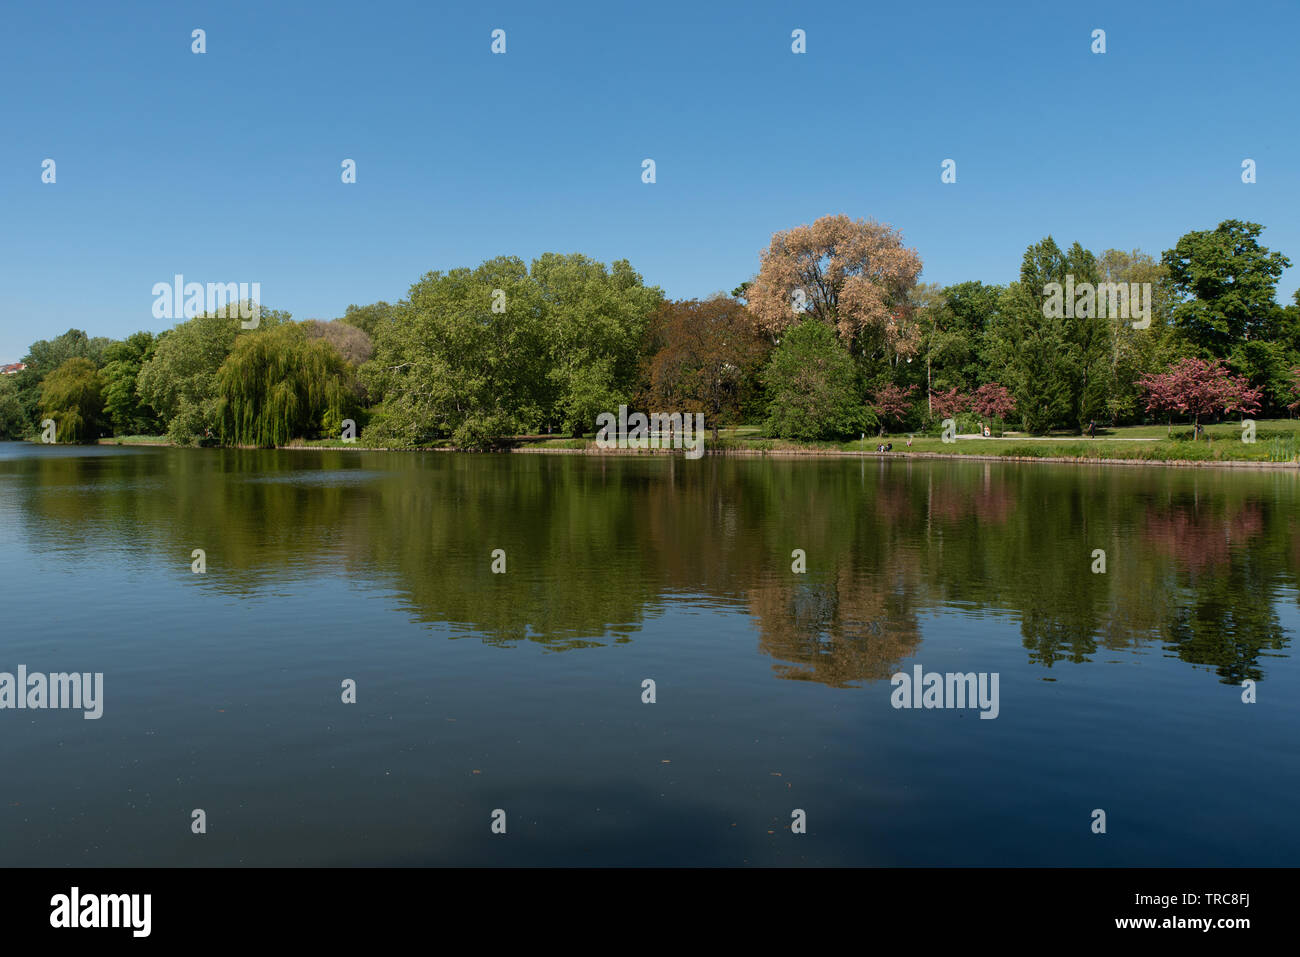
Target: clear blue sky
(225, 166)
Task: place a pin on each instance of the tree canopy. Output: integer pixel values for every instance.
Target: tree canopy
(73, 396)
(852, 275)
(278, 385)
(475, 357)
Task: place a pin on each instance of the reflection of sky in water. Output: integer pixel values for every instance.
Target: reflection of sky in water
(222, 690)
(316, 477)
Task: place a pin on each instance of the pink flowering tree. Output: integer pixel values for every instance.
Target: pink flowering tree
(947, 405)
(892, 403)
(993, 401)
(1195, 387)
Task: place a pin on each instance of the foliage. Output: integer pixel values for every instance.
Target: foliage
(595, 320)
(812, 386)
(1198, 388)
(703, 357)
(122, 364)
(448, 365)
(953, 323)
(14, 421)
(992, 401)
(1225, 282)
(73, 396)
(349, 341)
(853, 275)
(370, 319)
(474, 357)
(46, 355)
(1133, 350)
(180, 380)
(280, 384)
(1266, 366)
(1055, 364)
(946, 405)
(893, 403)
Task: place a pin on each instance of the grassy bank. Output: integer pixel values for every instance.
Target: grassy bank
(1277, 442)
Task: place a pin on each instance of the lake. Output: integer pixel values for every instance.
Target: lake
(522, 691)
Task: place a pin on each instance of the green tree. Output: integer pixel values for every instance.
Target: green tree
(370, 318)
(180, 380)
(73, 396)
(1053, 355)
(1087, 345)
(812, 386)
(1225, 284)
(1029, 346)
(972, 307)
(595, 319)
(450, 365)
(123, 361)
(940, 344)
(14, 421)
(1267, 366)
(280, 385)
(46, 355)
(1136, 352)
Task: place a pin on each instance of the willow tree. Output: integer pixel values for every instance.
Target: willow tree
(73, 396)
(278, 385)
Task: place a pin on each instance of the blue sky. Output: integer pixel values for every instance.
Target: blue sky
(226, 166)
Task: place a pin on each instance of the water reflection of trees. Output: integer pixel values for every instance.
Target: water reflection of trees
(1195, 561)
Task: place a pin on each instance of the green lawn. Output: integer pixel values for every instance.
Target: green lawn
(1276, 440)
(136, 440)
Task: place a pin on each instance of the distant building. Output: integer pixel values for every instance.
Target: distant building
(12, 368)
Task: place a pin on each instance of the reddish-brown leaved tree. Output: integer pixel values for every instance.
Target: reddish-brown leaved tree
(703, 358)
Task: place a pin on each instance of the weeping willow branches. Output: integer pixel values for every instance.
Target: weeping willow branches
(278, 385)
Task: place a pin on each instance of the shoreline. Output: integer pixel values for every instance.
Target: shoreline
(792, 454)
(912, 456)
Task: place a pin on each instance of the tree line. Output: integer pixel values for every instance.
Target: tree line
(834, 335)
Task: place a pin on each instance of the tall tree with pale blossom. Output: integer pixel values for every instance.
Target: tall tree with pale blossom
(853, 275)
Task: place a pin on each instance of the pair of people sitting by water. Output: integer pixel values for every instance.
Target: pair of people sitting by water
(889, 447)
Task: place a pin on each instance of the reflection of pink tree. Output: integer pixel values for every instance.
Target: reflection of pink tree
(1195, 387)
(993, 401)
(947, 405)
(991, 505)
(892, 403)
(1200, 541)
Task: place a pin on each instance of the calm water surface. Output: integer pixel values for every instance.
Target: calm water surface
(522, 691)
